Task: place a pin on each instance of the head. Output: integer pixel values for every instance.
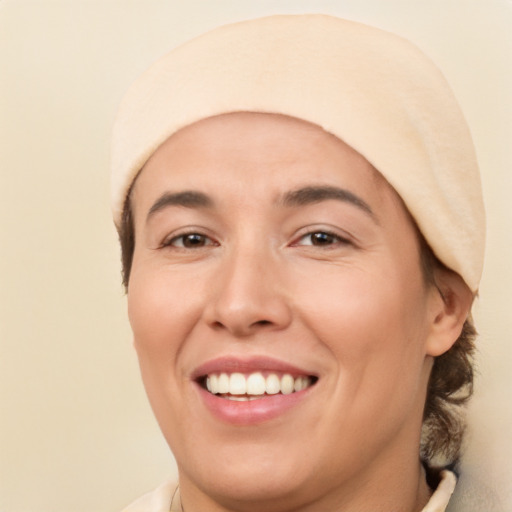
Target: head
(315, 246)
(451, 380)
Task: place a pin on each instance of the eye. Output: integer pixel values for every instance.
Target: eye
(321, 239)
(189, 241)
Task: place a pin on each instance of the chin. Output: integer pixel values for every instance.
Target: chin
(255, 474)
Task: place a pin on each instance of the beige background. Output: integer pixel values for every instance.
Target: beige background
(76, 433)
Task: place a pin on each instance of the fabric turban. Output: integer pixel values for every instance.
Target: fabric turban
(372, 89)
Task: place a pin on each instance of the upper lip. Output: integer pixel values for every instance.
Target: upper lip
(229, 364)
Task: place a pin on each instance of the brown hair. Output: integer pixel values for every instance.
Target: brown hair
(451, 380)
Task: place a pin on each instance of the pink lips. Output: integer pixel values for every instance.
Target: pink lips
(249, 412)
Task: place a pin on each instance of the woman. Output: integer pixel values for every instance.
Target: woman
(301, 222)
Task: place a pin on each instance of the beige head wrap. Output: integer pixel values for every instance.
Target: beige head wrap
(372, 89)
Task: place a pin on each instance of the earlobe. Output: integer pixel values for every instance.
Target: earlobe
(451, 307)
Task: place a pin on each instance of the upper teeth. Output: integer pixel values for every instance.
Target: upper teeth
(255, 383)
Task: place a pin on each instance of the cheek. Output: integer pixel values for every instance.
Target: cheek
(149, 311)
(373, 323)
(161, 318)
(159, 314)
(377, 347)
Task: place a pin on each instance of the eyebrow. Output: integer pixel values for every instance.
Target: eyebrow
(316, 194)
(295, 198)
(186, 199)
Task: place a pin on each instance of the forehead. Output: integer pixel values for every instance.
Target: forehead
(257, 150)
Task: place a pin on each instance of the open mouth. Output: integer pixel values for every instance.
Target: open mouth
(254, 386)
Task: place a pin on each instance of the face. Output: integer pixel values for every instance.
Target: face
(279, 312)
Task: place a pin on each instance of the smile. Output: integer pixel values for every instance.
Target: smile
(250, 391)
(255, 386)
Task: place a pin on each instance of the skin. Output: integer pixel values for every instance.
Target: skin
(351, 308)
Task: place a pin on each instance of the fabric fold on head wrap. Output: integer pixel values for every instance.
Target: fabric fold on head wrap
(372, 89)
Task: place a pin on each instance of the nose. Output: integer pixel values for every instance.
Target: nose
(248, 295)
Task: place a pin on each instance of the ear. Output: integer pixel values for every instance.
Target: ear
(451, 305)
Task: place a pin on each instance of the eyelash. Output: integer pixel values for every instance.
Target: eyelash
(334, 239)
(205, 241)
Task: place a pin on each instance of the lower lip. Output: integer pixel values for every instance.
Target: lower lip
(251, 412)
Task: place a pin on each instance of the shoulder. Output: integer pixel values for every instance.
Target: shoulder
(470, 494)
(473, 493)
(158, 500)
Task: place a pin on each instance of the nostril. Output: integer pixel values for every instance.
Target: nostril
(263, 322)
